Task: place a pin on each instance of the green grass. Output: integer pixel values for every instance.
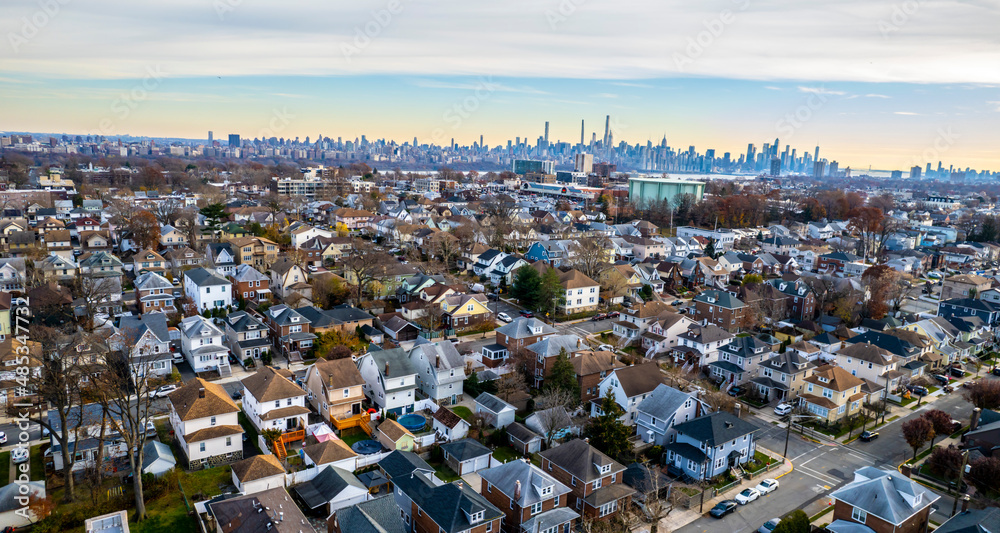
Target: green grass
(352, 435)
(907, 401)
(505, 454)
(820, 514)
(463, 412)
(444, 473)
(248, 428)
(37, 460)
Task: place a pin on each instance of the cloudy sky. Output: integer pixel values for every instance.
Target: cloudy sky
(885, 84)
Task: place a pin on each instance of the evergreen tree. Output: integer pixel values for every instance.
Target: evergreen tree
(606, 432)
(526, 285)
(794, 522)
(710, 248)
(214, 213)
(563, 375)
(551, 294)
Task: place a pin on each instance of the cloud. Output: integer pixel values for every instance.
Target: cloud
(632, 84)
(773, 88)
(873, 95)
(821, 90)
(906, 113)
(605, 95)
(472, 86)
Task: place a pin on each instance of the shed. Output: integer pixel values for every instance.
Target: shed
(333, 488)
(498, 413)
(394, 436)
(523, 439)
(466, 456)
(157, 458)
(449, 425)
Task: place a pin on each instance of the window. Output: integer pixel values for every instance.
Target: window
(213, 421)
(597, 484)
(859, 515)
(201, 447)
(536, 508)
(229, 441)
(609, 508)
(277, 403)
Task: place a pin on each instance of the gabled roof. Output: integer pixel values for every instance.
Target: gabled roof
(448, 418)
(338, 373)
(329, 451)
(579, 459)
(593, 362)
(327, 486)
(721, 299)
(134, 327)
(380, 515)
(532, 479)
(639, 378)
(716, 428)
(886, 494)
(553, 345)
(257, 467)
(200, 399)
(465, 449)
(203, 277)
(521, 327)
(664, 401)
(973, 521)
(266, 385)
(492, 403)
(152, 280)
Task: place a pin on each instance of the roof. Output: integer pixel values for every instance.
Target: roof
(266, 385)
(329, 451)
(338, 373)
(448, 417)
(886, 494)
(203, 277)
(553, 345)
(189, 404)
(664, 401)
(465, 449)
(380, 515)
(593, 362)
(492, 403)
(399, 463)
(973, 521)
(9, 494)
(716, 428)
(532, 480)
(521, 432)
(326, 486)
(134, 327)
(395, 361)
(574, 279)
(522, 327)
(721, 299)
(155, 450)
(639, 379)
(393, 430)
(257, 467)
(579, 459)
(867, 352)
(242, 514)
(836, 378)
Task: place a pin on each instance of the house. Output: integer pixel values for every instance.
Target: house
(336, 390)
(332, 489)
(720, 308)
(401, 330)
(738, 360)
(639, 318)
(498, 413)
(256, 251)
(800, 302)
(301, 232)
(249, 284)
(522, 332)
(630, 385)
(84, 421)
(330, 452)
(221, 257)
(448, 425)
(466, 456)
(205, 424)
(881, 501)
(247, 513)
(148, 261)
(988, 312)
(257, 474)
(57, 268)
(12, 274)
(522, 439)
(503, 271)
(380, 515)
(207, 289)
(964, 286)
(664, 332)
(287, 277)
(595, 480)
(782, 376)
(394, 436)
(154, 293)
(171, 237)
(204, 346)
(664, 408)
(440, 371)
(972, 521)
(59, 242)
(390, 379)
(246, 336)
(984, 433)
(445, 508)
(870, 362)
(700, 345)
(832, 394)
(582, 293)
(530, 499)
(95, 241)
(710, 445)
(183, 257)
(148, 341)
(591, 367)
(97, 265)
(290, 331)
(543, 354)
(463, 311)
(271, 401)
(835, 262)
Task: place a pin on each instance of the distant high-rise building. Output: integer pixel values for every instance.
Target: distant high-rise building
(234, 140)
(915, 172)
(584, 163)
(750, 152)
(546, 132)
(775, 166)
(834, 168)
(818, 167)
(210, 137)
(582, 130)
(525, 166)
(774, 147)
(896, 174)
(607, 130)
(816, 155)
(481, 142)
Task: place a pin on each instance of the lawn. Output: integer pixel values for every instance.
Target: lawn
(444, 473)
(505, 454)
(463, 412)
(5, 467)
(352, 435)
(37, 463)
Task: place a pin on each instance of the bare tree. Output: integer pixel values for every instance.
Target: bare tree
(551, 410)
(166, 211)
(445, 246)
(510, 383)
(96, 293)
(365, 264)
(499, 212)
(591, 255)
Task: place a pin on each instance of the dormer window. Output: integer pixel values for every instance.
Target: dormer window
(476, 517)
(604, 469)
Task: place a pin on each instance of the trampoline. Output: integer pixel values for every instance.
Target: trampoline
(412, 421)
(366, 447)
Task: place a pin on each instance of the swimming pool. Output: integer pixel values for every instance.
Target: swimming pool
(366, 447)
(413, 421)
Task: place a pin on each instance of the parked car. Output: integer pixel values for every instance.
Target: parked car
(941, 378)
(598, 316)
(3, 438)
(606, 348)
(955, 425)
(956, 372)
(767, 486)
(164, 390)
(867, 436)
(948, 388)
(736, 391)
(504, 317)
(616, 314)
(967, 384)
(782, 409)
(995, 371)
(19, 455)
(675, 303)
(526, 314)
(917, 389)
(237, 395)
(723, 508)
(746, 496)
(769, 526)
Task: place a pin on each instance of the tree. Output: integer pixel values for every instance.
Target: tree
(166, 210)
(509, 384)
(710, 248)
(917, 432)
(526, 286)
(94, 294)
(551, 410)
(499, 211)
(945, 462)
(144, 230)
(551, 294)
(272, 436)
(883, 284)
(751, 279)
(606, 431)
(940, 421)
(984, 472)
(445, 246)
(563, 375)
(796, 521)
(214, 214)
(366, 264)
(590, 255)
(329, 291)
(984, 394)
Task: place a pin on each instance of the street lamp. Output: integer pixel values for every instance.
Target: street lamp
(788, 430)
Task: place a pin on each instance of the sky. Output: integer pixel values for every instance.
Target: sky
(881, 84)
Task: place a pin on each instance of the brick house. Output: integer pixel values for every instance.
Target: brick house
(595, 480)
(881, 501)
(591, 368)
(522, 332)
(250, 284)
(530, 499)
(835, 262)
(720, 308)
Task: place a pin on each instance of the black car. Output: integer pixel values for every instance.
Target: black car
(736, 391)
(941, 378)
(868, 436)
(917, 389)
(957, 372)
(527, 314)
(723, 508)
(237, 395)
(995, 371)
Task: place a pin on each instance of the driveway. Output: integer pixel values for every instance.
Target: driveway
(474, 480)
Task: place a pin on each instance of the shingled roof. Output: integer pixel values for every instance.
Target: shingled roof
(199, 399)
(266, 385)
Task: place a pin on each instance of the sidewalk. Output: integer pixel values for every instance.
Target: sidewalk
(680, 517)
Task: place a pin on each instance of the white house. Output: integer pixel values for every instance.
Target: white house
(390, 379)
(271, 401)
(498, 413)
(440, 371)
(331, 490)
(303, 232)
(149, 339)
(449, 425)
(205, 423)
(203, 345)
(258, 473)
(630, 385)
(207, 289)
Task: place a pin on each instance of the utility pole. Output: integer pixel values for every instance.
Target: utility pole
(958, 483)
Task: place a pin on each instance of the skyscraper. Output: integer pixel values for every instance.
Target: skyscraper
(584, 163)
(581, 132)
(546, 132)
(775, 166)
(234, 140)
(210, 137)
(915, 172)
(818, 169)
(607, 130)
(816, 155)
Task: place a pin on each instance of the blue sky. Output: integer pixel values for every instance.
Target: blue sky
(872, 83)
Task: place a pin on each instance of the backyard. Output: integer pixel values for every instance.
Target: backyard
(463, 412)
(352, 435)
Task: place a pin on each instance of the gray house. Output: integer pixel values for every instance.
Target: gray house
(663, 409)
(498, 413)
(708, 446)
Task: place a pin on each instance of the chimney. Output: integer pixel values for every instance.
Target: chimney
(387, 368)
(201, 392)
(905, 470)
(460, 485)
(517, 490)
(437, 361)
(976, 413)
